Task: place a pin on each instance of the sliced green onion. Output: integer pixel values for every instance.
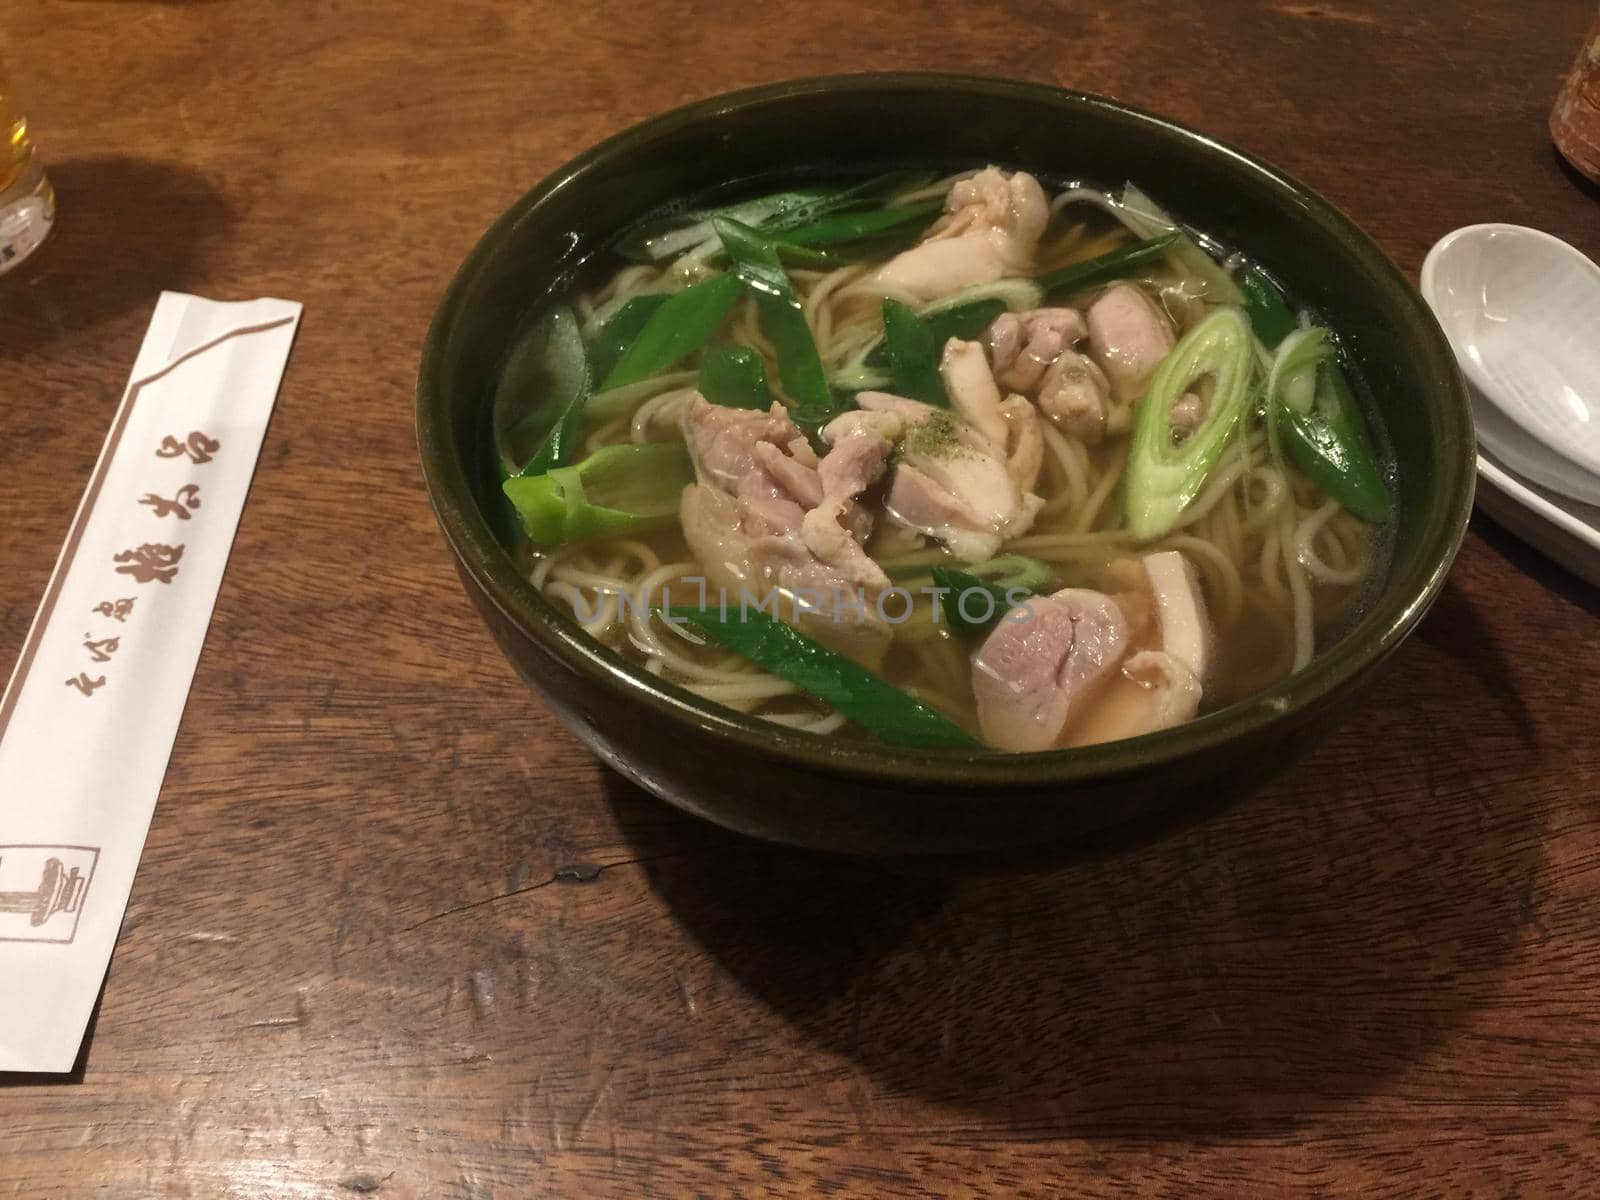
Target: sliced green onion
(664, 238)
(869, 701)
(913, 351)
(791, 254)
(677, 328)
(1263, 304)
(621, 330)
(868, 192)
(1006, 582)
(690, 235)
(734, 376)
(1292, 381)
(541, 395)
(1163, 477)
(851, 227)
(543, 377)
(1320, 425)
(965, 321)
(756, 264)
(1144, 218)
(1186, 253)
(1103, 268)
(658, 240)
(1310, 403)
(616, 490)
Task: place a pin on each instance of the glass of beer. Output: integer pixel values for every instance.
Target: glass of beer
(27, 204)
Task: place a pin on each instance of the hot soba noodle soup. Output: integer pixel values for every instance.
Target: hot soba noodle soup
(952, 461)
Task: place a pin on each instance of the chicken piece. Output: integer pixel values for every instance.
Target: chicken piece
(798, 479)
(836, 528)
(1062, 669)
(722, 441)
(776, 492)
(1024, 441)
(1076, 396)
(972, 389)
(815, 597)
(833, 545)
(960, 507)
(768, 514)
(1011, 425)
(887, 422)
(712, 523)
(1022, 346)
(892, 539)
(1129, 337)
(1043, 664)
(1180, 610)
(800, 450)
(887, 404)
(1161, 687)
(760, 458)
(992, 230)
(860, 519)
(941, 266)
(1004, 340)
(747, 569)
(1062, 322)
(1161, 596)
(765, 508)
(990, 199)
(952, 482)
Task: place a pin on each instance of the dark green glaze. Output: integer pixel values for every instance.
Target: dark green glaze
(861, 796)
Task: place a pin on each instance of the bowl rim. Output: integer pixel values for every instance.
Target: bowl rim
(1286, 703)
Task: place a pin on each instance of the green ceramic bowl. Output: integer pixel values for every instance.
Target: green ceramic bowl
(843, 794)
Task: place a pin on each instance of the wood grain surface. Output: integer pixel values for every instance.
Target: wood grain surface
(395, 933)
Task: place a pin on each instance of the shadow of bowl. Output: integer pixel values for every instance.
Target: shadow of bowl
(1232, 978)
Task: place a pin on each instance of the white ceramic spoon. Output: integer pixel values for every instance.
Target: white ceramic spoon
(1507, 442)
(1522, 310)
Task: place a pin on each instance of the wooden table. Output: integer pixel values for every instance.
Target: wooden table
(396, 933)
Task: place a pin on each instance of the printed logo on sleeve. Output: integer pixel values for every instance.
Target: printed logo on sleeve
(42, 889)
